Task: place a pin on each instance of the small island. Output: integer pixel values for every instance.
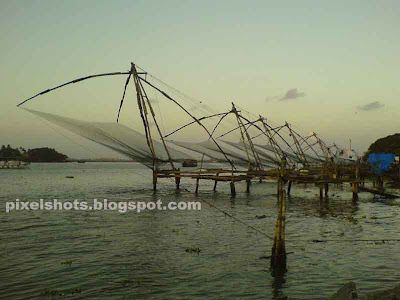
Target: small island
(43, 154)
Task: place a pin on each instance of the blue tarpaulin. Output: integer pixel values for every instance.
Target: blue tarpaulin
(380, 162)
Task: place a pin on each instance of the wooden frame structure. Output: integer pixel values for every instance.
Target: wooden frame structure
(288, 166)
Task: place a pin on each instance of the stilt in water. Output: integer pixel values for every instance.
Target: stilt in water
(278, 257)
(380, 183)
(154, 181)
(177, 180)
(326, 189)
(233, 190)
(248, 182)
(321, 191)
(289, 187)
(354, 187)
(197, 186)
(215, 186)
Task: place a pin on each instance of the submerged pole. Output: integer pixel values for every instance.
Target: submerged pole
(326, 189)
(197, 186)
(154, 180)
(278, 257)
(177, 179)
(215, 185)
(248, 184)
(321, 191)
(233, 190)
(354, 187)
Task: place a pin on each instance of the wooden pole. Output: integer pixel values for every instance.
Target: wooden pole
(356, 183)
(289, 187)
(278, 187)
(177, 179)
(233, 190)
(354, 186)
(248, 184)
(278, 257)
(321, 191)
(154, 180)
(197, 186)
(326, 189)
(215, 184)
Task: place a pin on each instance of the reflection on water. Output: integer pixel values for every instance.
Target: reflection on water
(142, 255)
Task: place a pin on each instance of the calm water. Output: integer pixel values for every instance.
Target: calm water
(142, 255)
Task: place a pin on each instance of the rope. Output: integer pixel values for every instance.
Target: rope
(344, 240)
(231, 216)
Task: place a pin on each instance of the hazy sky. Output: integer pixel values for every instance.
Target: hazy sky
(326, 66)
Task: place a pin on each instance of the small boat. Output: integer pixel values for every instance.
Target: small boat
(189, 163)
(13, 164)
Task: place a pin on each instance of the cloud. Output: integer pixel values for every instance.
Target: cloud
(292, 94)
(375, 105)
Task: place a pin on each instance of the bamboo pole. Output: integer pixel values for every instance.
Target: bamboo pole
(197, 186)
(321, 192)
(326, 189)
(233, 190)
(248, 184)
(278, 257)
(215, 185)
(73, 81)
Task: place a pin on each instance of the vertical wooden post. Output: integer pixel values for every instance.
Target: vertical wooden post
(354, 187)
(233, 190)
(356, 183)
(177, 179)
(289, 187)
(321, 191)
(326, 189)
(197, 186)
(278, 187)
(215, 184)
(154, 180)
(380, 183)
(282, 173)
(278, 257)
(248, 184)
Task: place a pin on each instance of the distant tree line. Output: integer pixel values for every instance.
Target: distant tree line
(32, 155)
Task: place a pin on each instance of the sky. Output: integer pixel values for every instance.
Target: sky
(329, 67)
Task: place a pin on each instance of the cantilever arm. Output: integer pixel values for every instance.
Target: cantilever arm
(73, 81)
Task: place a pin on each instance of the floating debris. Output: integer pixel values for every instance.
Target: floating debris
(193, 250)
(261, 217)
(67, 262)
(76, 290)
